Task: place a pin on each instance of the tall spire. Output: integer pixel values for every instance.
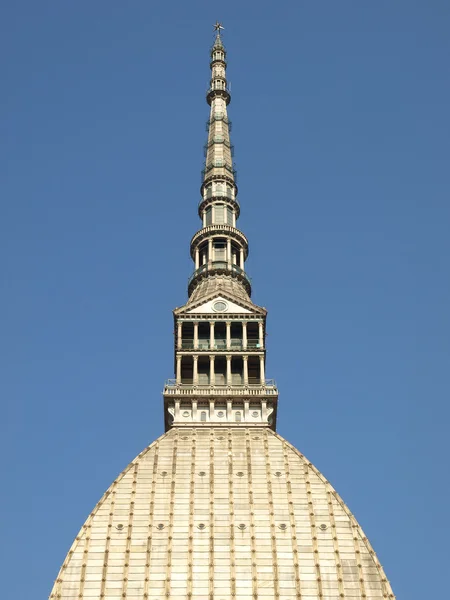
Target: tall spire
(219, 333)
(219, 208)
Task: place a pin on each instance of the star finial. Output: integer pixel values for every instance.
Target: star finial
(218, 26)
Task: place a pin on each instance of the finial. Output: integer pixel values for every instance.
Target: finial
(218, 26)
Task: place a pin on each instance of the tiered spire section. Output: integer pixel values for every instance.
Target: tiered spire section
(220, 333)
(219, 247)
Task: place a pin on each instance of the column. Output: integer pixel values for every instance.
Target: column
(212, 378)
(177, 410)
(228, 369)
(178, 375)
(197, 258)
(179, 334)
(194, 410)
(229, 252)
(245, 362)
(195, 357)
(228, 323)
(264, 410)
(261, 334)
(195, 335)
(261, 369)
(241, 258)
(246, 410)
(244, 335)
(211, 335)
(229, 410)
(210, 251)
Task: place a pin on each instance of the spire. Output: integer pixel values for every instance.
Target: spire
(219, 333)
(219, 246)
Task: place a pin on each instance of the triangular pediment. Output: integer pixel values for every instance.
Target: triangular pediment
(220, 303)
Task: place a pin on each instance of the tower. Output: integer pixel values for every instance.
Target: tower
(220, 507)
(220, 333)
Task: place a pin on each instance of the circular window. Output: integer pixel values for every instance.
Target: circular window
(323, 526)
(255, 413)
(220, 413)
(220, 306)
(186, 413)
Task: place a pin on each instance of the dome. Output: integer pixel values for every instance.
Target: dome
(224, 513)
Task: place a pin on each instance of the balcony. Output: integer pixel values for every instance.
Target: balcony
(217, 229)
(220, 344)
(171, 388)
(219, 116)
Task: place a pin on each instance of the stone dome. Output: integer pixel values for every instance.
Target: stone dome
(223, 513)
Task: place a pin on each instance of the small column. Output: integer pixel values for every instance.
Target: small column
(229, 410)
(245, 363)
(229, 252)
(177, 410)
(194, 410)
(228, 324)
(228, 369)
(241, 258)
(244, 335)
(211, 410)
(210, 251)
(212, 377)
(195, 377)
(264, 410)
(211, 335)
(197, 258)
(179, 334)
(178, 375)
(246, 410)
(261, 368)
(195, 335)
(261, 334)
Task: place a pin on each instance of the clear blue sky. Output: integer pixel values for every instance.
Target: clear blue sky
(341, 128)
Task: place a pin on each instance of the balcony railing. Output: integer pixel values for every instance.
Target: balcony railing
(269, 388)
(219, 116)
(235, 344)
(219, 164)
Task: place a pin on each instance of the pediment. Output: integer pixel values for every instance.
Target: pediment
(208, 305)
(219, 304)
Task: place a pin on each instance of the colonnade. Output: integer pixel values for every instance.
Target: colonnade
(232, 258)
(228, 335)
(212, 358)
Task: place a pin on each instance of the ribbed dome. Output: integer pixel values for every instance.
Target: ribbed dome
(221, 513)
(218, 283)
